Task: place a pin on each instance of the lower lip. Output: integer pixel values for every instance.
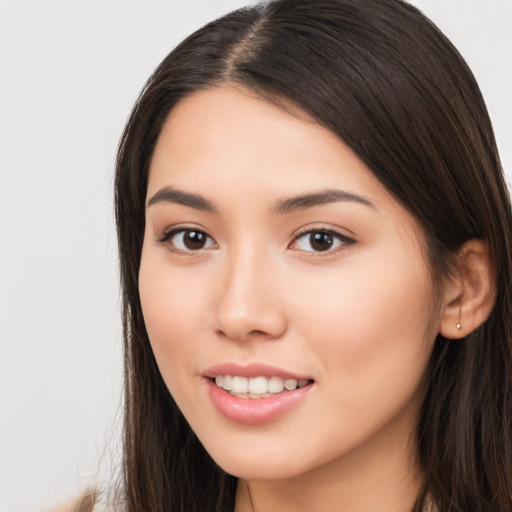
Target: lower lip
(252, 411)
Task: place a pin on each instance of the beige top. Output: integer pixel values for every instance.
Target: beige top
(85, 503)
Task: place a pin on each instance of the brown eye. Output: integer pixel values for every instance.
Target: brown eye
(194, 240)
(321, 241)
(187, 240)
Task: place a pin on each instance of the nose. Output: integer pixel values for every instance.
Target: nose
(250, 303)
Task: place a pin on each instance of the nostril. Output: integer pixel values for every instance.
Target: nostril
(256, 333)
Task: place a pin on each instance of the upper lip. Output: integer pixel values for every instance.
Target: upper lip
(251, 370)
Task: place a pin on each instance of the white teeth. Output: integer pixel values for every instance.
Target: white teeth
(240, 395)
(290, 384)
(257, 387)
(275, 384)
(240, 384)
(227, 382)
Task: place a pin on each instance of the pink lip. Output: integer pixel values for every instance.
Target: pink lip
(252, 411)
(251, 370)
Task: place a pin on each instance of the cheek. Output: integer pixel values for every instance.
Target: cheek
(373, 330)
(173, 307)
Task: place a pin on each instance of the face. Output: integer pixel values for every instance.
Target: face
(285, 294)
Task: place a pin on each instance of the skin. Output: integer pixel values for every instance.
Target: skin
(360, 318)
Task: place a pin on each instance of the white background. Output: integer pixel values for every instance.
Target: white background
(69, 73)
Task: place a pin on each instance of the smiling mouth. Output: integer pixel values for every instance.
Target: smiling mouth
(257, 387)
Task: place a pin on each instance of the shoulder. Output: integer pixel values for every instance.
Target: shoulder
(87, 502)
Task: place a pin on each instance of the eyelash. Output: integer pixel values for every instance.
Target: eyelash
(343, 240)
(167, 236)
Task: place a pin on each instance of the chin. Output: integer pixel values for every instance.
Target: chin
(263, 461)
(258, 471)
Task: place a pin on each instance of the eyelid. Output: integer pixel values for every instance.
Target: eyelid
(344, 239)
(168, 233)
(161, 235)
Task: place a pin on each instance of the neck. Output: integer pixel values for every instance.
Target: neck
(384, 475)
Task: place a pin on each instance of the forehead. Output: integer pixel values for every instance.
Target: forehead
(230, 135)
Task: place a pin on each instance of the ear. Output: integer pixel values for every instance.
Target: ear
(470, 295)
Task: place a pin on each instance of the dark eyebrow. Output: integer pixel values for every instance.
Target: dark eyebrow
(318, 198)
(172, 195)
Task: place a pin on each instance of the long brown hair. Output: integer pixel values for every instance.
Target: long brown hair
(384, 79)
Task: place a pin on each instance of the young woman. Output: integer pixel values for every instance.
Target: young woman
(316, 262)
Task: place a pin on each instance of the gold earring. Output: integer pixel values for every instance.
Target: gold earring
(459, 325)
